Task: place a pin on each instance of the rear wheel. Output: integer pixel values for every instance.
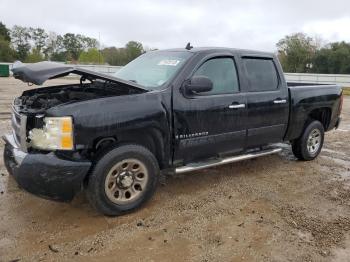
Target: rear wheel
(123, 179)
(308, 146)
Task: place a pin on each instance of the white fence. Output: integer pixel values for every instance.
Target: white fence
(342, 80)
(106, 69)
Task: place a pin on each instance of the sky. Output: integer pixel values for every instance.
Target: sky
(250, 24)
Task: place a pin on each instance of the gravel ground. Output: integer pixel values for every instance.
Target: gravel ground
(274, 208)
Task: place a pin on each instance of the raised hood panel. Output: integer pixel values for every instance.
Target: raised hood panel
(38, 73)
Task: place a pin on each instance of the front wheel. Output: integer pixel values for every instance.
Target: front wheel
(308, 146)
(123, 179)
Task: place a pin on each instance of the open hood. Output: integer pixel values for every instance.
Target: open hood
(38, 73)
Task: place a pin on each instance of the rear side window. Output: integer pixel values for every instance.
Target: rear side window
(222, 72)
(261, 73)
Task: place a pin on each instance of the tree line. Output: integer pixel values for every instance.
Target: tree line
(300, 53)
(31, 45)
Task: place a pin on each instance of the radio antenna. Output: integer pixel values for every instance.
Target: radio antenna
(188, 46)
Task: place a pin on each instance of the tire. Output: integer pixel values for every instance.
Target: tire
(309, 145)
(122, 180)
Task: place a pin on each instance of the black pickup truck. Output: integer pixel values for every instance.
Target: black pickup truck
(175, 110)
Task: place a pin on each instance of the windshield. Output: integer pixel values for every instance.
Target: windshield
(153, 69)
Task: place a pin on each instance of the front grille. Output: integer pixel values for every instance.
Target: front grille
(19, 122)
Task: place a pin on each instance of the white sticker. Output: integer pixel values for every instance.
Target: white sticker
(169, 62)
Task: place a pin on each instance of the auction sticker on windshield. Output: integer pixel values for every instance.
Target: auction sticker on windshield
(169, 62)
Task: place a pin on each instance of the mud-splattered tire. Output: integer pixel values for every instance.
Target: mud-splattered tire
(122, 180)
(308, 146)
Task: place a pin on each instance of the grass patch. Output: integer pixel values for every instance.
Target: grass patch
(346, 91)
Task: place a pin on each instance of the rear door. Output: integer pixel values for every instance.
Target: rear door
(211, 123)
(267, 101)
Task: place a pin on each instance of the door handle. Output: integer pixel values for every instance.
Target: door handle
(236, 106)
(280, 101)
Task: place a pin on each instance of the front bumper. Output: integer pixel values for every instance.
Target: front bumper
(44, 175)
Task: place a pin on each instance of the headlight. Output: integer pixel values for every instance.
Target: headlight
(57, 134)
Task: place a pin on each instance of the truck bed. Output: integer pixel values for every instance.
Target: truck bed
(310, 97)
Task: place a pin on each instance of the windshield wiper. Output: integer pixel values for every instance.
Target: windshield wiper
(134, 81)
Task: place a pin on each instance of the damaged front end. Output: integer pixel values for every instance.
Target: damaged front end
(33, 128)
(35, 163)
(45, 174)
(40, 153)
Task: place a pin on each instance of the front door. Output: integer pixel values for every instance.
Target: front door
(212, 123)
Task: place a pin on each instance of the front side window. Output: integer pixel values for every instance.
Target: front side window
(154, 68)
(261, 74)
(222, 72)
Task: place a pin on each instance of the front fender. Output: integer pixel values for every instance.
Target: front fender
(133, 118)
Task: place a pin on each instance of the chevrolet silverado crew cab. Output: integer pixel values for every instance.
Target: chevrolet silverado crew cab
(175, 110)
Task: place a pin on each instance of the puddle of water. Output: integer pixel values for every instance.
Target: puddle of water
(333, 151)
(344, 127)
(345, 164)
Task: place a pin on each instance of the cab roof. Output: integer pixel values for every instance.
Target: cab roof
(222, 49)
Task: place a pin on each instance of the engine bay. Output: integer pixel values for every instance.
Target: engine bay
(41, 99)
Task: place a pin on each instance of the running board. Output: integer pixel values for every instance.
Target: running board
(219, 162)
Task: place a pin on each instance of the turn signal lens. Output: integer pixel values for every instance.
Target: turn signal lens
(67, 125)
(66, 142)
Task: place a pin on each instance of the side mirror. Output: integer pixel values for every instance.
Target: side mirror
(198, 84)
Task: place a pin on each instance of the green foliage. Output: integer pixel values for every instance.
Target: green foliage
(34, 56)
(346, 91)
(35, 44)
(39, 36)
(296, 52)
(72, 45)
(59, 56)
(115, 56)
(20, 37)
(92, 56)
(299, 53)
(133, 49)
(7, 54)
(88, 42)
(53, 47)
(333, 58)
(122, 56)
(4, 33)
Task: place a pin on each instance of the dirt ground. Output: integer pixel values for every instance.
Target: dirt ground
(274, 208)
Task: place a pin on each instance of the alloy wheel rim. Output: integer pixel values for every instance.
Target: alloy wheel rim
(126, 181)
(314, 141)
